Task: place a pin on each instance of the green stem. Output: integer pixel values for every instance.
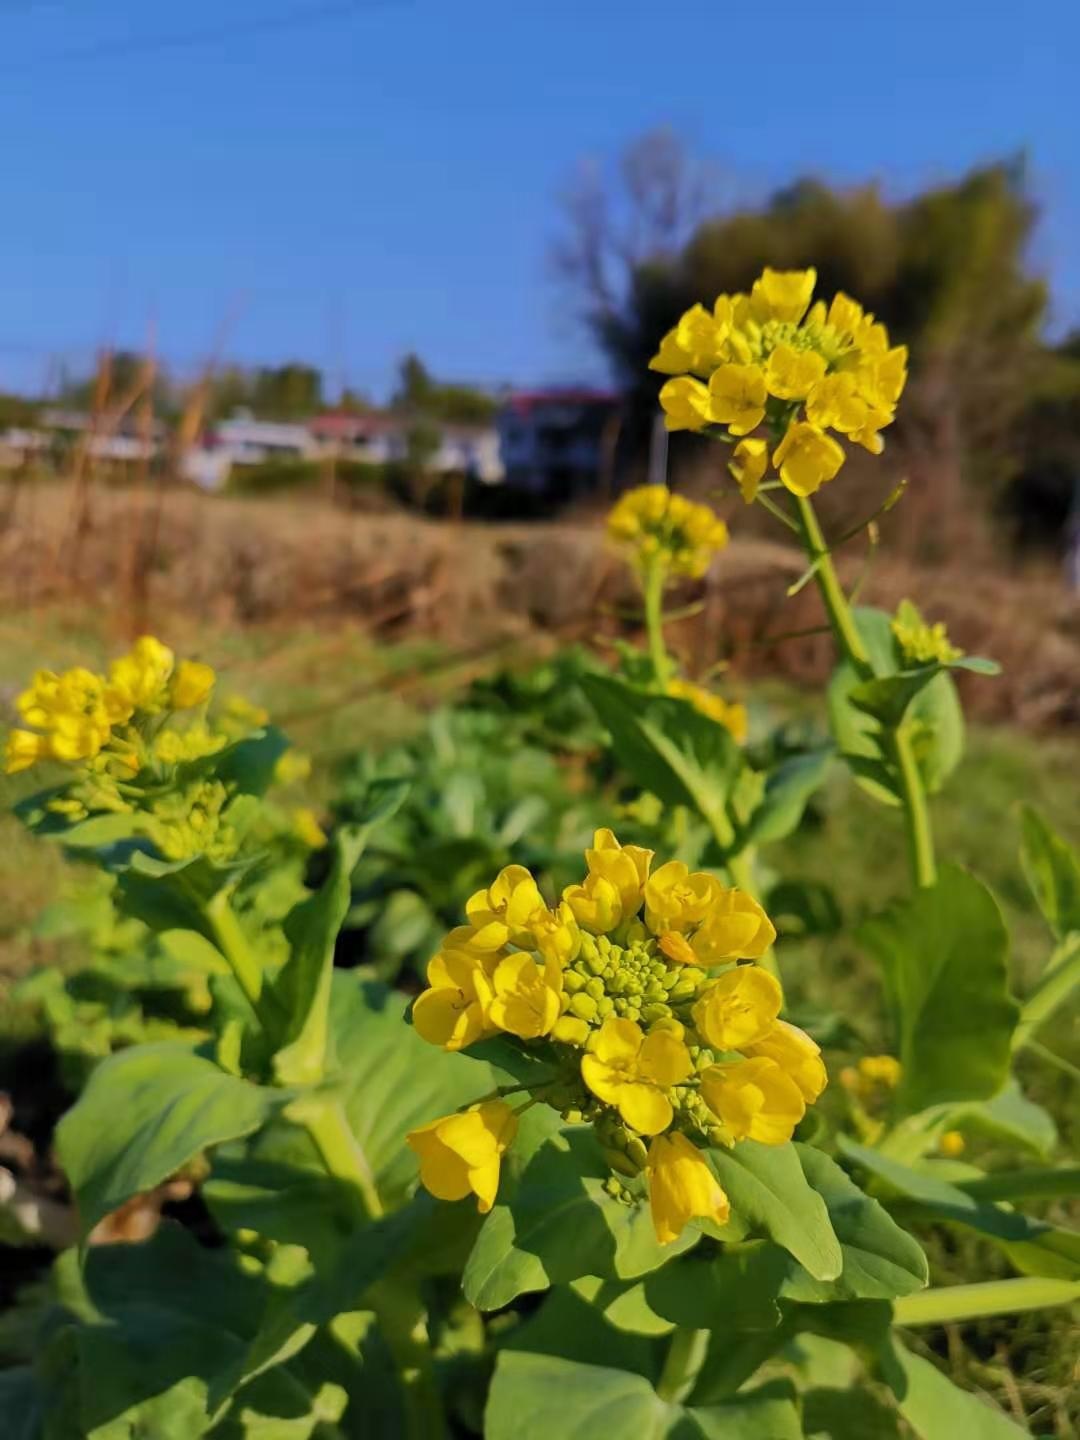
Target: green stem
(685, 1357)
(324, 1120)
(1058, 981)
(916, 812)
(233, 944)
(897, 741)
(955, 1303)
(652, 585)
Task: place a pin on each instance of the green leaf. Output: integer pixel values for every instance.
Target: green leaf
(146, 1113)
(944, 952)
(851, 1414)
(1008, 1116)
(933, 716)
(881, 1261)
(769, 1192)
(1033, 1246)
(804, 907)
(391, 1081)
(733, 1292)
(535, 1397)
(1052, 868)
(933, 1406)
(788, 788)
(888, 697)
(303, 985)
(668, 747)
(956, 1304)
(558, 1224)
(1060, 978)
(172, 895)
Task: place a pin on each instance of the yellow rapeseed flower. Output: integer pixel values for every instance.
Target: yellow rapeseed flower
(72, 708)
(527, 996)
(633, 1070)
(626, 867)
(748, 464)
(23, 748)
(806, 457)
(686, 404)
(736, 928)
(453, 1011)
(921, 643)
(797, 1054)
(681, 1187)
(754, 1099)
(737, 395)
(782, 294)
(502, 912)
(461, 1154)
(139, 680)
(677, 899)
(738, 1009)
(791, 374)
(655, 526)
(191, 685)
(880, 1070)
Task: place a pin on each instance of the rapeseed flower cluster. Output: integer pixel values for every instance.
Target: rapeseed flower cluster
(131, 738)
(634, 989)
(728, 713)
(76, 715)
(654, 526)
(773, 361)
(921, 643)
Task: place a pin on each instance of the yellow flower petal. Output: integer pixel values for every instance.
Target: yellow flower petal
(681, 1187)
(806, 457)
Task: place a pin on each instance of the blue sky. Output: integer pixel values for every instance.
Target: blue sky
(381, 177)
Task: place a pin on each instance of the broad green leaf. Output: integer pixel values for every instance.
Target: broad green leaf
(156, 1327)
(558, 1224)
(732, 1292)
(944, 952)
(934, 1407)
(567, 1325)
(803, 908)
(145, 1114)
(887, 697)
(769, 1192)
(624, 1304)
(247, 766)
(1034, 1246)
(788, 788)
(303, 985)
(668, 747)
(1025, 1184)
(391, 1081)
(535, 1397)
(881, 1260)
(1052, 868)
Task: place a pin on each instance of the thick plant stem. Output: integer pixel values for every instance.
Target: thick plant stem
(233, 944)
(652, 585)
(324, 1120)
(685, 1357)
(898, 741)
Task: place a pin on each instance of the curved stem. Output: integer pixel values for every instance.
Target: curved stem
(897, 740)
(324, 1120)
(233, 944)
(652, 584)
(685, 1357)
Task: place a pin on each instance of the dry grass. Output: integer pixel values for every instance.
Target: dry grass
(183, 560)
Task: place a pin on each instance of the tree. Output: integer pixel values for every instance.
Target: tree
(418, 393)
(292, 391)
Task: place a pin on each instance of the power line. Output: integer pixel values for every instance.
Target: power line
(137, 46)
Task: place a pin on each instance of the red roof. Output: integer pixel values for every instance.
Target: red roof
(347, 427)
(525, 400)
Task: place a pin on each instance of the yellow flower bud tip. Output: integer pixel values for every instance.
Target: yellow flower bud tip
(952, 1144)
(191, 685)
(880, 1070)
(920, 643)
(682, 1187)
(783, 294)
(733, 717)
(755, 1099)
(461, 1154)
(738, 1009)
(632, 1070)
(748, 464)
